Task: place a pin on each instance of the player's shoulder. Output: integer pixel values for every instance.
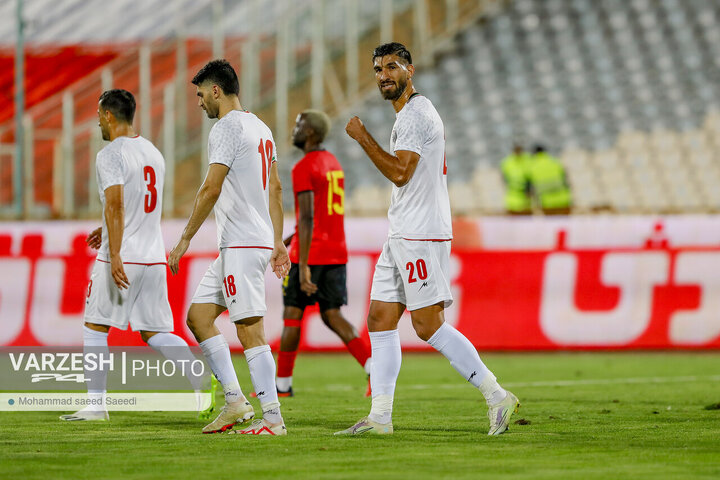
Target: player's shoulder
(316, 159)
(418, 109)
(112, 150)
(330, 160)
(226, 125)
(231, 124)
(237, 122)
(304, 164)
(419, 104)
(259, 124)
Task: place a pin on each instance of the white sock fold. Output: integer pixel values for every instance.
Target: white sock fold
(262, 373)
(465, 360)
(97, 343)
(381, 410)
(283, 383)
(384, 371)
(217, 352)
(176, 349)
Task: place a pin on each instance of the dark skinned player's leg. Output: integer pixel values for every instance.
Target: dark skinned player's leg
(358, 348)
(289, 342)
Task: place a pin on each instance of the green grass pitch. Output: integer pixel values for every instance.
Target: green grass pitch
(583, 415)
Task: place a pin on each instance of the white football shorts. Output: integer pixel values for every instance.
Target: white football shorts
(415, 273)
(236, 281)
(144, 304)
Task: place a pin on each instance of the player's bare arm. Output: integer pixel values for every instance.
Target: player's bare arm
(115, 220)
(279, 260)
(94, 238)
(398, 168)
(288, 240)
(204, 202)
(305, 231)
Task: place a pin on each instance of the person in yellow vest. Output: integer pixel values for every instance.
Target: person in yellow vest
(515, 171)
(549, 183)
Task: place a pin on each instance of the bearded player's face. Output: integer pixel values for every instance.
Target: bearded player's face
(206, 100)
(391, 74)
(103, 123)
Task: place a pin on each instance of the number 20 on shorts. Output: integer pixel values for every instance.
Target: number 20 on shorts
(418, 267)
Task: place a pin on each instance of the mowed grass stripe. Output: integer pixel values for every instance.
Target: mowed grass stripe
(579, 422)
(555, 383)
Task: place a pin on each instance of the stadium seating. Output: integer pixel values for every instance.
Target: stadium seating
(78, 40)
(625, 92)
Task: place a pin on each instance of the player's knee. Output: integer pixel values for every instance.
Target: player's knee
(251, 332)
(338, 324)
(423, 330)
(378, 323)
(374, 320)
(193, 322)
(329, 317)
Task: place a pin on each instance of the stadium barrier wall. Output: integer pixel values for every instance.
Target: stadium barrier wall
(518, 283)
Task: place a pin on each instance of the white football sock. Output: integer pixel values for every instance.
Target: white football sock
(96, 342)
(262, 373)
(384, 371)
(217, 352)
(176, 349)
(283, 383)
(465, 359)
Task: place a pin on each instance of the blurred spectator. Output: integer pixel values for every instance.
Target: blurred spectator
(548, 182)
(515, 171)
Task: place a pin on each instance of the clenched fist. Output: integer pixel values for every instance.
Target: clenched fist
(355, 128)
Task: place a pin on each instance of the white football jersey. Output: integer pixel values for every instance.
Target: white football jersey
(420, 209)
(135, 163)
(243, 143)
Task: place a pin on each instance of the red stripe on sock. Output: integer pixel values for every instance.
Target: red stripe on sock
(359, 349)
(291, 322)
(286, 363)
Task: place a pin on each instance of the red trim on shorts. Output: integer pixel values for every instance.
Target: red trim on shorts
(135, 263)
(427, 239)
(264, 248)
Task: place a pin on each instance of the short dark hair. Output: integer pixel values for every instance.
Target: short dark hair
(392, 48)
(120, 102)
(221, 73)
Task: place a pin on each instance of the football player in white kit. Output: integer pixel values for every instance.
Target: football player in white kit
(128, 282)
(243, 186)
(413, 269)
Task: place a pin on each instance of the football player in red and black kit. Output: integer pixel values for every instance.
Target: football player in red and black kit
(317, 249)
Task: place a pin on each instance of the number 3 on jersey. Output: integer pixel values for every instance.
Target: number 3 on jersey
(151, 195)
(266, 157)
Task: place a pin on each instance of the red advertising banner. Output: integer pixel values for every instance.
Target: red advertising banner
(578, 283)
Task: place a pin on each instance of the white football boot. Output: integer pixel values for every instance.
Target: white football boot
(86, 414)
(261, 427)
(500, 413)
(365, 425)
(231, 413)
